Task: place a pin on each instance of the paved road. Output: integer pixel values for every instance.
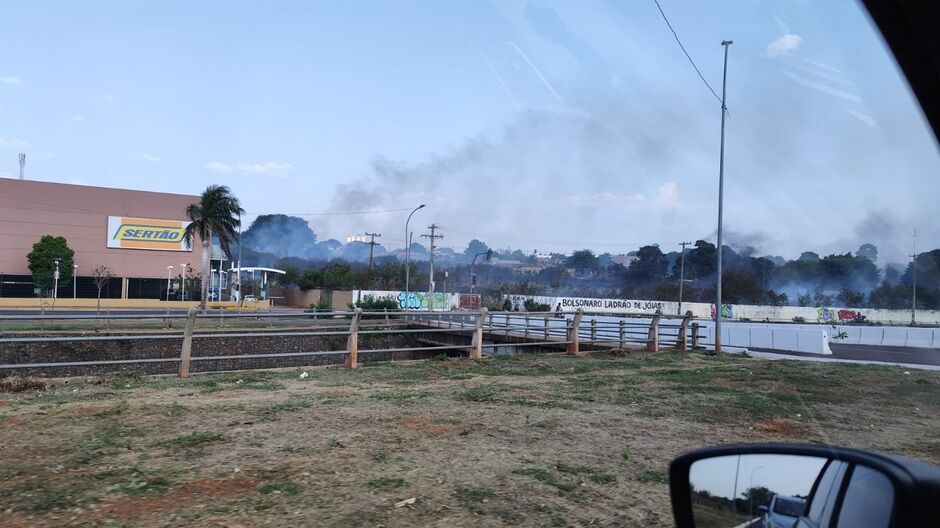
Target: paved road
(130, 312)
(873, 353)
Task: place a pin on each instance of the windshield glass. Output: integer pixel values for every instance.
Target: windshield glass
(788, 506)
(470, 262)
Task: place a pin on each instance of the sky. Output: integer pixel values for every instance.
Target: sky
(548, 125)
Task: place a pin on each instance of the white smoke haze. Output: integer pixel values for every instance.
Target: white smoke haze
(624, 164)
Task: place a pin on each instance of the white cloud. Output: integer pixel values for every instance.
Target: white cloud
(151, 158)
(604, 198)
(16, 144)
(9, 79)
(77, 118)
(783, 45)
(669, 194)
(218, 166)
(864, 118)
(271, 168)
(822, 87)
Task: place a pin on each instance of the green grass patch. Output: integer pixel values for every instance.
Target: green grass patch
(472, 498)
(278, 487)
(269, 413)
(547, 477)
(193, 440)
(653, 475)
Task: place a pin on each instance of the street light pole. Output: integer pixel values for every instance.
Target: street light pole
(183, 281)
(488, 252)
(169, 272)
(55, 285)
(721, 190)
(408, 257)
(682, 273)
(75, 281)
(914, 282)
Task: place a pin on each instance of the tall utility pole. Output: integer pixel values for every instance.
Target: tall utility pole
(22, 163)
(408, 256)
(721, 191)
(433, 237)
(682, 273)
(372, 244)
(914, 281)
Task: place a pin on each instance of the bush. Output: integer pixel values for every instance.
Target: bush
(371, 303)
(533, 306)
(799, 319)
(323, 305)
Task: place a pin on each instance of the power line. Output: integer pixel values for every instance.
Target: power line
(679, 42)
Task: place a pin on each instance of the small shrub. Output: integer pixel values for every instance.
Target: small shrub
(799, 319)
(387, 483)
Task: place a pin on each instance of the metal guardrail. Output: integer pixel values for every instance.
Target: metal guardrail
(536, 329)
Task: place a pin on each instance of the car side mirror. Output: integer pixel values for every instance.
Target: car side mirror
(801, 485)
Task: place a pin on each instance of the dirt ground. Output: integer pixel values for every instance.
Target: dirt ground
(540, 440)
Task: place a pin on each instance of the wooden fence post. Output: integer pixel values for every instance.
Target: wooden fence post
(545, 328)
(352, 342)
(388, 324)
(652, 340)
(695, 328)
(682, 340)
(623, 331)
(526, 326)
(574, 348)
(107, 314)
(507, 323)
(187, 349)
(477, 343)
(593, 330)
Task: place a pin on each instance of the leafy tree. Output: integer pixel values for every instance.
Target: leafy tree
(740, 286)
(280, 235)
(700, 261)
(776, 299)
(820, 299)
(216, 213)
(757, 496)
(888, 295)
(852, 298)
(581, 260)
(101, 275)
(475, 246)
(650, 265)
(804, 299)
(867, 251)
(809, 256)
(42, 262)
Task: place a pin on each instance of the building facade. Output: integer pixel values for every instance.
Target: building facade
(136, 234)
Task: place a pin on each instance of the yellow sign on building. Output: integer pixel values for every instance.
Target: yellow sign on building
(147, 233)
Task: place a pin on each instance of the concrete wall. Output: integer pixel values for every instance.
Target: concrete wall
(419, 300)
(30, 209)
(833, 315)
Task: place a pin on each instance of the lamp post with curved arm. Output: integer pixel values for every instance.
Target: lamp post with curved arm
(408, 255)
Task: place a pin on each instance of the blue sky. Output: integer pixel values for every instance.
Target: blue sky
(533, 125)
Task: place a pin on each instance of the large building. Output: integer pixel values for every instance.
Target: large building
(136, 234)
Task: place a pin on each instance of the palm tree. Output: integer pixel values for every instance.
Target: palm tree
(216, 213)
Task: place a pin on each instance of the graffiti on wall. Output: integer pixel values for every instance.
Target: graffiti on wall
(831, 315)
(468, 302)
(419, 301)
(727, 311)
